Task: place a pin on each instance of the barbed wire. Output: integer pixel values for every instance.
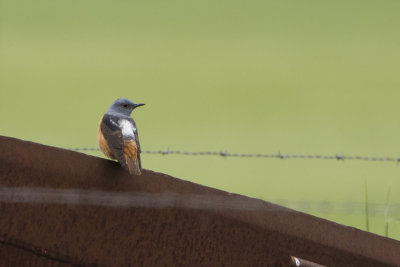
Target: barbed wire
(279, 155)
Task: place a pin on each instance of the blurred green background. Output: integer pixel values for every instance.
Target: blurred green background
(311, 77)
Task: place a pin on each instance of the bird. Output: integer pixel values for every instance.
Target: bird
(118, 137)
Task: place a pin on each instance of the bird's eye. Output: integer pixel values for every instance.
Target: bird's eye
(125, 105)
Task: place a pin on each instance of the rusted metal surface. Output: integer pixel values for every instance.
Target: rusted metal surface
(63, 208)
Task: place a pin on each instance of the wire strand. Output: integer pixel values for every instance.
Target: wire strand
(225, 154)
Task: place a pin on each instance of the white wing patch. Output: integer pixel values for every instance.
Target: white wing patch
(114, 123)
(127, 128)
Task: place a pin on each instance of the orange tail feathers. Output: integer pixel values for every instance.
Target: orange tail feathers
(131, 157)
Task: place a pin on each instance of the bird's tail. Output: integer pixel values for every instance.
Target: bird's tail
(131, 158)
(133, 166)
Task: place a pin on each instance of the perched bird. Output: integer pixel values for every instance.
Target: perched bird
(118, 136)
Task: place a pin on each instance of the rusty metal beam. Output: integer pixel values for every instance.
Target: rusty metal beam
(64, 208)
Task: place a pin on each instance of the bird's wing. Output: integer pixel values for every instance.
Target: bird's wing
(114, 138)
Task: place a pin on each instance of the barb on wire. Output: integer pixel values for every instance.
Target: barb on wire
(279, 155)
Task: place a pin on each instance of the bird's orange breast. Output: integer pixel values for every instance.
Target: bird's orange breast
(103, 143)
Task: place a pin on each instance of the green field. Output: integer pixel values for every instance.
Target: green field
(310, 77)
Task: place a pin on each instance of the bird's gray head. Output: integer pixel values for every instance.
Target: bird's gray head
(123, 106)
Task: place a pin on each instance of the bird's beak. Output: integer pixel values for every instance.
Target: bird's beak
(137, 105)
